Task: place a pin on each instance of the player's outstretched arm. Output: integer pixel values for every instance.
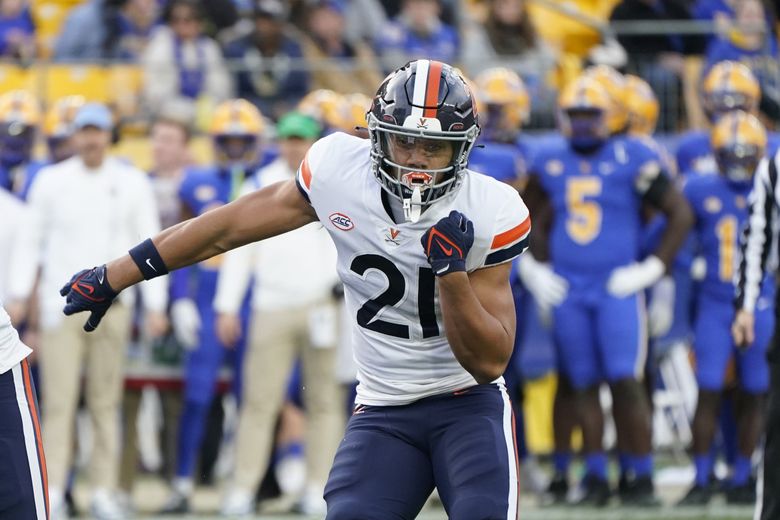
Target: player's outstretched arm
(271, 211)
(268, 212)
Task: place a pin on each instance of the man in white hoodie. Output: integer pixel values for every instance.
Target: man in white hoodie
(81, 210)
(294, 315)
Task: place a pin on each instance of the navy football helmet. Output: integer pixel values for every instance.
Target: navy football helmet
(428, 104)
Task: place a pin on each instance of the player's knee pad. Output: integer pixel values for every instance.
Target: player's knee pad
(477, 508)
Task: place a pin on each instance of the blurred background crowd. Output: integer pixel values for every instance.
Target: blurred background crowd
(236, 369)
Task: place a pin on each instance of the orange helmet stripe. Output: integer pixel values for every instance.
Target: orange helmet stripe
(432, 89)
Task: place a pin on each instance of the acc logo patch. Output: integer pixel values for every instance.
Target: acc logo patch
(712, 204)
(341, 221)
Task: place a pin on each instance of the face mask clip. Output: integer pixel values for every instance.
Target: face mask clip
(413, 206)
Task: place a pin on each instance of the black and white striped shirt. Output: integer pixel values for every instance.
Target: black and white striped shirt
(758, 243)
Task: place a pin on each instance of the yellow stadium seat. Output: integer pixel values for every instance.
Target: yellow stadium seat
(13, 77)
(125, 84)
(48, 16)
(561, 27)
(90, 81)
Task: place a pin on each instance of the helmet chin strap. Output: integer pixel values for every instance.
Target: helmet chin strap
(413, 206)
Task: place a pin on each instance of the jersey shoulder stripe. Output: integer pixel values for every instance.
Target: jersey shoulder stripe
(507, 237)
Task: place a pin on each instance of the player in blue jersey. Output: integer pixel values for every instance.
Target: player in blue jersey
(587, 197)
(720, 207)
(504, 106)
(727, 86)
(235, 128)
(19, 120)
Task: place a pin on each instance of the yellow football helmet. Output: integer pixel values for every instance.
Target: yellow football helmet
(327, 107)
(60, 116)
(358, 105)
(236, 117)
(738, 142)
(57, 126)
(505, 102)
(642, 106)
(729, 85)
(614, 83)
(583, 108)
(20, 115)
(236, 126)
(20, 106)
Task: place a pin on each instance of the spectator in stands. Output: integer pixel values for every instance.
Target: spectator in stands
(106, 30)
(750, 40)
(365, 19)
(294, 314)
(659, 58)
(82, 209)
(268, 63)
(181, 63)
(508, 38)
(336, 63)
(417, 32)
(17, 30)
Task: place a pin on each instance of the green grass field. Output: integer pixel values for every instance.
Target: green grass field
(150, 493)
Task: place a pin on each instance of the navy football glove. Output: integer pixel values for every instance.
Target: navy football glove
(447, 243)
(88, 290)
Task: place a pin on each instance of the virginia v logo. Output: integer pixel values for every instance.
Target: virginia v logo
(391, 236)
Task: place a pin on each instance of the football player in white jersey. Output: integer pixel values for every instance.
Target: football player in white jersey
(425, 257)
(23, 480)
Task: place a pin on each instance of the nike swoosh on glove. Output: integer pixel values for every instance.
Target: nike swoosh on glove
(88, 290)
(447, 243)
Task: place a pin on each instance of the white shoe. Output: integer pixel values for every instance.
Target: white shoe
(104, 506)
(312, 502)
(290, 474)
(238, 502)
(57, 506)
(125, 501)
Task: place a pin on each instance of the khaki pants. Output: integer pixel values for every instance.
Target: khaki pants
(64, 351)
(276, 339)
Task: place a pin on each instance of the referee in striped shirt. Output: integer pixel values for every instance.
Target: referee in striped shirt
(759, 253)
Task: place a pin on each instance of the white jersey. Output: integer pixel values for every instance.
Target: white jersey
(400, 345)
(12, 350)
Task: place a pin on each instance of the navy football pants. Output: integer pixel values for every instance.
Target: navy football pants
(23, 488)
(392, 457)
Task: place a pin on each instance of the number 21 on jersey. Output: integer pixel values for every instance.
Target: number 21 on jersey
(584, 215)
(394, 294)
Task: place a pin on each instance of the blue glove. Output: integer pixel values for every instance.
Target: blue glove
(447, 243)
(88, 290)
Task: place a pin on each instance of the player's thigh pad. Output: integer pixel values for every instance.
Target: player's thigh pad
(751, 362)
(712, 343)
(474, 454)
(574, 335)
(622, 336)
(377, 473)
